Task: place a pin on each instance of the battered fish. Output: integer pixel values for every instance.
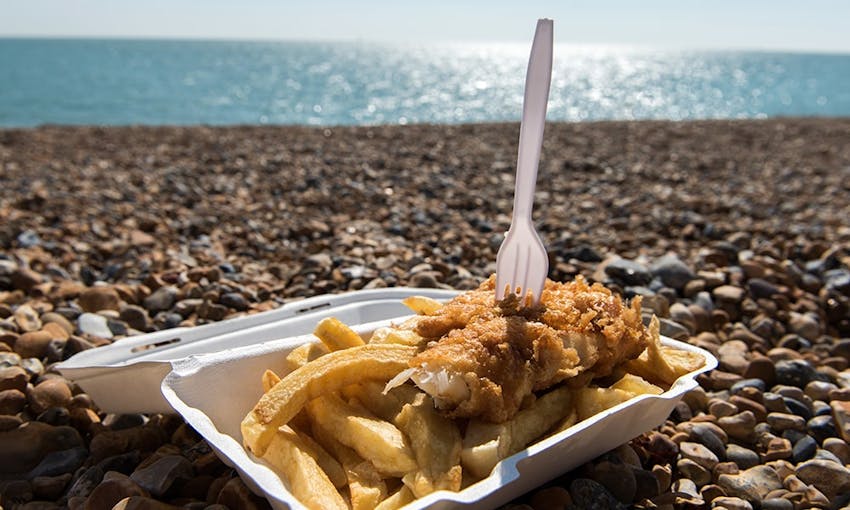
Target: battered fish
(484, 359)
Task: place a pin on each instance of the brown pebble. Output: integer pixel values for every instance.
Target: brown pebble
(12, 401)
(50, 487)
(550, 498)
(839, 448)
(55, 318)
(816, 498)
(777, 448)
(53, 392)
(746, 404)
(27, 319)
(739, 426)
(725, 468)
(235, 494)
(664, 475)
(96, 299)
(33, 344)
(841, 415)
(142, 503)
(13, 378)
(114, 487)
(784, 421)
(731, 503)
(721, 408)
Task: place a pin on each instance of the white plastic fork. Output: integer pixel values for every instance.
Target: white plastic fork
(522, 263)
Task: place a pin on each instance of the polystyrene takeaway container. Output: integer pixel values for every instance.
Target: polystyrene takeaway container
(214, 392)
(125, 377)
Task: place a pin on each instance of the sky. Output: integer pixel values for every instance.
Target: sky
(813, 25)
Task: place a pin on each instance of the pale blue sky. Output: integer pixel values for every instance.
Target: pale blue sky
(814, 25)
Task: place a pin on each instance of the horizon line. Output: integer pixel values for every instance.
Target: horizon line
(620, 45)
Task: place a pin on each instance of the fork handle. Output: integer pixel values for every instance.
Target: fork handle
(537, 82)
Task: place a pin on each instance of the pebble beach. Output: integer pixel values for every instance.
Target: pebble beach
(736, 234)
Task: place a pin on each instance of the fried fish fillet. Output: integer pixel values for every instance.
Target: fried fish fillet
(484, 359)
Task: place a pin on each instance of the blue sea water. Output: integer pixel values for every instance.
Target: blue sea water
(82, 81)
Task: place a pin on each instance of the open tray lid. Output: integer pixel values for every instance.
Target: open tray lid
(125, 377)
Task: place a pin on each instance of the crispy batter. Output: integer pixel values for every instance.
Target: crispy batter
(504, 352)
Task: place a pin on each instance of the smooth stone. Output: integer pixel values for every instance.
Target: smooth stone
(159, 476)
(825, 455)
(822, 427)
(804, 325)
(550, 498)
(86, 482)
(27, 319)
(33, 344)
(60, 462)
(797, 407)
(681, 314)
(136, 317)
(617, 477)
(777, 448)
(804, 449)
(234, 494)
(731, 503)
(686, 492)
(760, 288)
(699, 454)
(234, 300)
(722, 408)
(672, 271)
(13, 378)
(114, 488)
(95, 299)
(784, 421)
(830, 478)
(673, 329)
(693, 471)
(819, 390)
(50, 487)
(739, 426)
(777, 504)
(162, 299)
(143, 503)
(9, 422)
(748, 383)
(628, 272)
(841, 414)
(752, 484)
(94, 324)
(60, 320)
(839, 448)
(706, 436)
(12, 402)
(729, 294)
(797, 373)
(52, 392)
(743, 457)
(10, 359)
(108, 443)
(22, 449)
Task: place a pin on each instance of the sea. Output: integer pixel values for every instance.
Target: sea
(187, 82)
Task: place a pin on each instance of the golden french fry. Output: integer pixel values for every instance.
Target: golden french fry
(336, 335)
(365, 485)
(390, 335)
(376, 440)
(661, 364)
(330, 465)
(370, 394)
(304, 354)
(436, 443)
(422, 305)
(485, 444)
(636, 385)
(592, 400)
(269, 380)
(402, 497)
(289, 455)
(324, 375)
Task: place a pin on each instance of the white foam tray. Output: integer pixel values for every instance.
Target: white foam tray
(214, 392)
(125, 377)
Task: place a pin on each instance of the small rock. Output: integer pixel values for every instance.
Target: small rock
(796, 372)
(235, 494)
(617, 477)
(27, 319)
(114, 488)
(234, 300)
(33, 344)
(95, 299)
(743, 457)
(143, 503)
(12, 401)
(830, 478)
(706, 436)
(777, 504)
(60, 462)
(729, 294)
(136, 317)
(52, 392)
(672, 271)
(586, 494)
(822, 427)
(60, 320)
(783, 421)
(731, 503)
(693, 471)
(740, 426)
(804, 449)
(550, 498)
(777, 448)
(752, 484)
(839, 448)
(804, 325)
(699, 454)
(162, 299)
(628, 272)
(13, 378)
(159, 476)
(25, 279)
(819, 390)
(50, 487)
(94, 324)
(86, 482)
(841, 414)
